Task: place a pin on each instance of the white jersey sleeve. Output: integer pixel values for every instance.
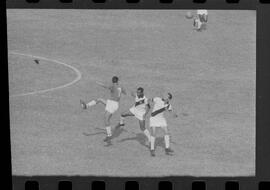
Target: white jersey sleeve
(146, 101)
(170, 107)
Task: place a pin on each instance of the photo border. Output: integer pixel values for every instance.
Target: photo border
(179, 182)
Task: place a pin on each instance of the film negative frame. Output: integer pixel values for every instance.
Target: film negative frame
(262, 179)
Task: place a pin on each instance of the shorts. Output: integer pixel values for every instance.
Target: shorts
(158, 121)
(137, 113)
(111, 106)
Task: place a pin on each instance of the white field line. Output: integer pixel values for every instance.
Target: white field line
(78, 73)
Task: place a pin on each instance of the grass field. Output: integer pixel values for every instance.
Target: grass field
(210, 73)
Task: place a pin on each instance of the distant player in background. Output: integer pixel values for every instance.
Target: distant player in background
(139, 110)
(201, 19)
(157, 120)
(111, 104)
(36, 61)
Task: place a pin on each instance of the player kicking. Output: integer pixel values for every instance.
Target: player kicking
(139, 110)
(201, 19)
(157, 120)
(111, 104)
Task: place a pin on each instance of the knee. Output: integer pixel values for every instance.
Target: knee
(107, 115)
(106, 119)
(166, 132)
(107, 123)
(142, 126)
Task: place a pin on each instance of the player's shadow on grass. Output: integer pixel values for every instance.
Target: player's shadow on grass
(116, 133)
(101, 132)
(160, 142)
(139, 137)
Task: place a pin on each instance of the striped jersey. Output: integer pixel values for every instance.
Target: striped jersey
(160, 106)
(141, 103)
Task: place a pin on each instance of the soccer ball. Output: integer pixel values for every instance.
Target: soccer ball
(189, 15)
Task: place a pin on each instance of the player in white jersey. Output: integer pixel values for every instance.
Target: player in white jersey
(111, 104)
(138, 110)
(157, 120)
(201, 19)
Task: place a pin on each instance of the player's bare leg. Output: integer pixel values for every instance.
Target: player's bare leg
(205, 18)
(108, 127)
(168, 150)
(92, 103)
(152, 141)
(145, 131)
(197, 23)
(122, 118)
(205, 21)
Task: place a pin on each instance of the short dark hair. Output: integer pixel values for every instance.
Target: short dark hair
(169, 95)
(140, 89)
(115, 79)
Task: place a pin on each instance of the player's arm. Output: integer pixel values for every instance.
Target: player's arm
(103, 85)
(151, 102)
(171, 111)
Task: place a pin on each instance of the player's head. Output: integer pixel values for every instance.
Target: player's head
(169, 97)
(115, 79)
(140, 92)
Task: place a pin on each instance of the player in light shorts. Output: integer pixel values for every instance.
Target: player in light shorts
(111, 104)
(197, 23)
(201, 19)
(138, 110)
(157, 120)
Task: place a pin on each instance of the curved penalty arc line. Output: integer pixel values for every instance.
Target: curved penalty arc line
(78, 73)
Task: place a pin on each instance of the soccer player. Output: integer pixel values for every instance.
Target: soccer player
(201, 19)
(197, 23)
(157, 120)
(36, 61)
(111, 104)
(139, 110)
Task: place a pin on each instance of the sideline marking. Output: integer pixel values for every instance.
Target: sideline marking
(78, 73)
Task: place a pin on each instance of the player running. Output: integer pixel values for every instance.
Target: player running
(139, 110)
(157, 120)
(111, 104)
(201, 19)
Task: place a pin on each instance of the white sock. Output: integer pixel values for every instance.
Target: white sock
(109, 131)
(152, 143)
(122, 119)
(167, 141)
(147, 133)
(91, 103)
(199, 25)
